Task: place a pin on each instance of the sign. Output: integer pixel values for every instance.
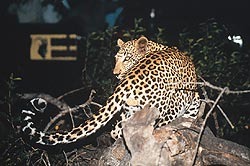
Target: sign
(53, 47)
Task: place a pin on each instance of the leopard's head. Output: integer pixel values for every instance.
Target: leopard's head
(129, 54)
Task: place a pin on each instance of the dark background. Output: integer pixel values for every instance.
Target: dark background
(85, 16)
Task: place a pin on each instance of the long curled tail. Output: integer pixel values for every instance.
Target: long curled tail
(85, 129)
(36, 105)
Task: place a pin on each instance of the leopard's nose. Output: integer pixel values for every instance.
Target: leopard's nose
(116, 71)
(117, 68)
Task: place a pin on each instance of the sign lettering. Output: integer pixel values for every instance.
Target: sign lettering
(60, 47)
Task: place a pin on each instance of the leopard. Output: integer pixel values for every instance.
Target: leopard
(149, 73)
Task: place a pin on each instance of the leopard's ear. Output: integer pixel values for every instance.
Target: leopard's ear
(141, 44)
(120, 42)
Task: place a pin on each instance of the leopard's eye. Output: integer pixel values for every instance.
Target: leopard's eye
(128, 56)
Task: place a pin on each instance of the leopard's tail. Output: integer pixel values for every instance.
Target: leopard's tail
(85, 129)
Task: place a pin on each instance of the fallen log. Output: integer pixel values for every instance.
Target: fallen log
(173, 144)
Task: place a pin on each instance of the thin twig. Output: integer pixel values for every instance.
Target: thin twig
(71, 117)
(59, 104)
(66, 158)
(72, 110)
(222, 112)
(225, 116)
(216, 123)
(88, 102)
(13, 145)
(97, 104)
(204, 124)
(227, 91)
(208, 84)
(44, 158)
(70, 92)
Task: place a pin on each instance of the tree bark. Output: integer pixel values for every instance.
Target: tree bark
(172, 144)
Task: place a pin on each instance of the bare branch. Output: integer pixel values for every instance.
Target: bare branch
(70, 92)
(222, 112)
(227, 91)
(204, 123)
(71, 117)
(216, 123)
(66, 158)
(61, 105)
(70, 110)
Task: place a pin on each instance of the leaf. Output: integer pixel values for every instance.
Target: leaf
(199, 40)
(17, 79)
(126, 35)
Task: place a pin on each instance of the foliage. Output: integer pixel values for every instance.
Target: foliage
(222, 63)
(217, 59)
(9, 132)
(99, 51)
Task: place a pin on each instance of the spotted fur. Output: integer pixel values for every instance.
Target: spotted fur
(149, 73)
